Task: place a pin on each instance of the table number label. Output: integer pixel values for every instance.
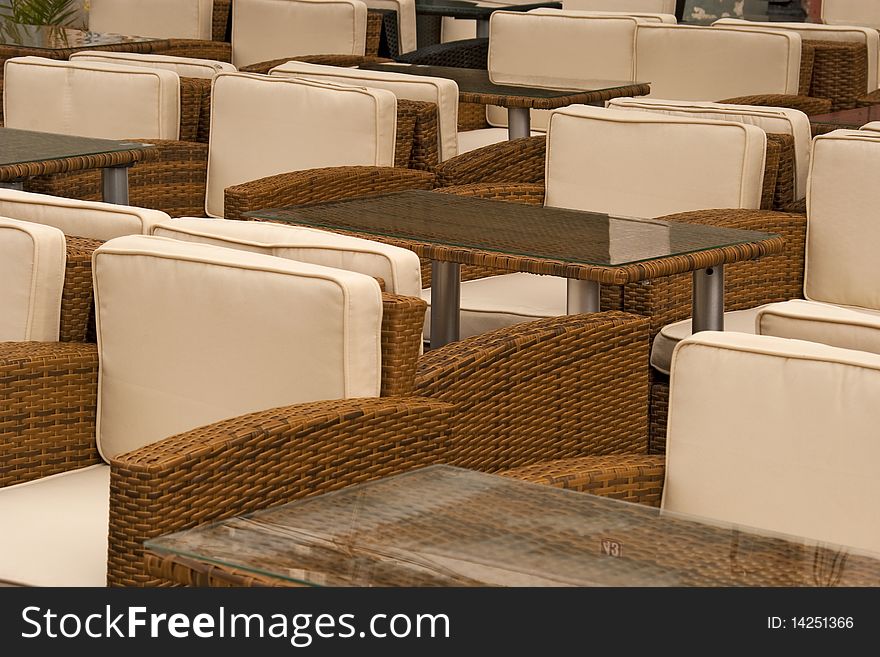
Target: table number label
(610, 548)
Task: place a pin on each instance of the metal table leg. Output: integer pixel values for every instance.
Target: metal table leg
(518, 122)
(445, 302)
(482, 28)
(19, 185)
(115, 181)
(583, 297)
(708, 299)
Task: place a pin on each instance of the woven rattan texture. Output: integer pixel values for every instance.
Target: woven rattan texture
(10, 172)
(466, 53)
(658, 412)
(575, 97)
(840, 73)
(262, 460)
(514, 161)
(77, 299)
(786, 173)
(374, 33)
(402, 321)
(192, 572)
(808, 57)
(806, 104)
(221, 20)
(47, 418)
(417, 145)
(198, 48)
(472, 116)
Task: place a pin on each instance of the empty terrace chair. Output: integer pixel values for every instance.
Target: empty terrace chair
(443, 93)
(264, 30)
(755, 423)
(843, 64)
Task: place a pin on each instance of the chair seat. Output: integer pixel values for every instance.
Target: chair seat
(740, 321)
(491, 303)
(57, 529)
(838, 326)
(470, 140)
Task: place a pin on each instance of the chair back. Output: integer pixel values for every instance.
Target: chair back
(851, 12)
(776, 434)
(774, 120)
(91, 99)
(32, 260)
(644, 16)
(165, 19)
(185, 67)
(842, 228)
(653, 6)
(263, 30)
(689, 62)
(265, 125)
(440, 91)
(189, 334)
(646, 164)
(406, 20)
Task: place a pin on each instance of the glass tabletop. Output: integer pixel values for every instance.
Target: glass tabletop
(481, 9)
(448, 526)
(50, 37)
(851, 118)
(574, 236)
(476, 81)
(22, 146)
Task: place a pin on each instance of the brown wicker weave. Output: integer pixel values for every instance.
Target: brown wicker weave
(198, 48)
(221, 20)
(417, 144)
(77, 307)
(374, 33)
(786, 172)
(840, 72)
(472, 116)
(805, 104)
(402, 321)
(513, 161)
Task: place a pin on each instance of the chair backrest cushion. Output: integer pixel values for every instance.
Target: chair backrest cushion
(776, 434)
(185, 67)
(264, 125)
(645, 164)
(842, 228)
(167, 19)
(851, 12)
(189, 334)
(873, 126)
(778, 120)
(399, 268)
(406, 20)
(688, 62)
(653, 6)
(645, 16)
(263, 30)
(815, 32)
(32, 259)
(91, 219)
(440, 91)
(91, 99)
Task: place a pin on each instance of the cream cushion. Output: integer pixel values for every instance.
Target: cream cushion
(665, 342)
(91, 99)
(166, 19)
(655, 6)
(646, 16)
(91, 219)
(779, 120)
(32, 260)
(399, 268)
(775, 434)
(203, 333)
(57, 529)
(263, 30)
(687, 62)
(406, 20)
(838, 326)
(594, 155)
(264, 125)
(440, 91)
(841, 264)
(873, 126)
(851, 12)
(185, 67)
(812, 31)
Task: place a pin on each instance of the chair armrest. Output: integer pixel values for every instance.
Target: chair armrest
(527, 193)
(631, 477)
(198, 48)
(326, 60)
(806, 104)
(746, 284)
(867, 100)
(47, 416)
(417, 135)
(548, 389)
(403, 320)
(318, 185)
(261, 460)
(465, 53)
(517, 160)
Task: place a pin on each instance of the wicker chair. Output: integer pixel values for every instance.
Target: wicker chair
(731, 455)
(371, 437)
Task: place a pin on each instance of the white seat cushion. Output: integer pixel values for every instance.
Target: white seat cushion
(166, 19)
(56, 529)
(470, 140)
(657, 6)
(399, 268)
(778, 120)
(440, 91)
(263, 30)
(264, 125)
(91, 99)
(406, 20)
(32, 260)
(873, 126)
(665, 342)
(775, 434)
(185, 67)
(207, 333)
(688, 62)
(838, 326)
(90, 219)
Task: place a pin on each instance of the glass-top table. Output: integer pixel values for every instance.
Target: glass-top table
(445, 526)
(852, 119)
(587, 248)
(429, 13)
(50, 37)
(27, 153)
